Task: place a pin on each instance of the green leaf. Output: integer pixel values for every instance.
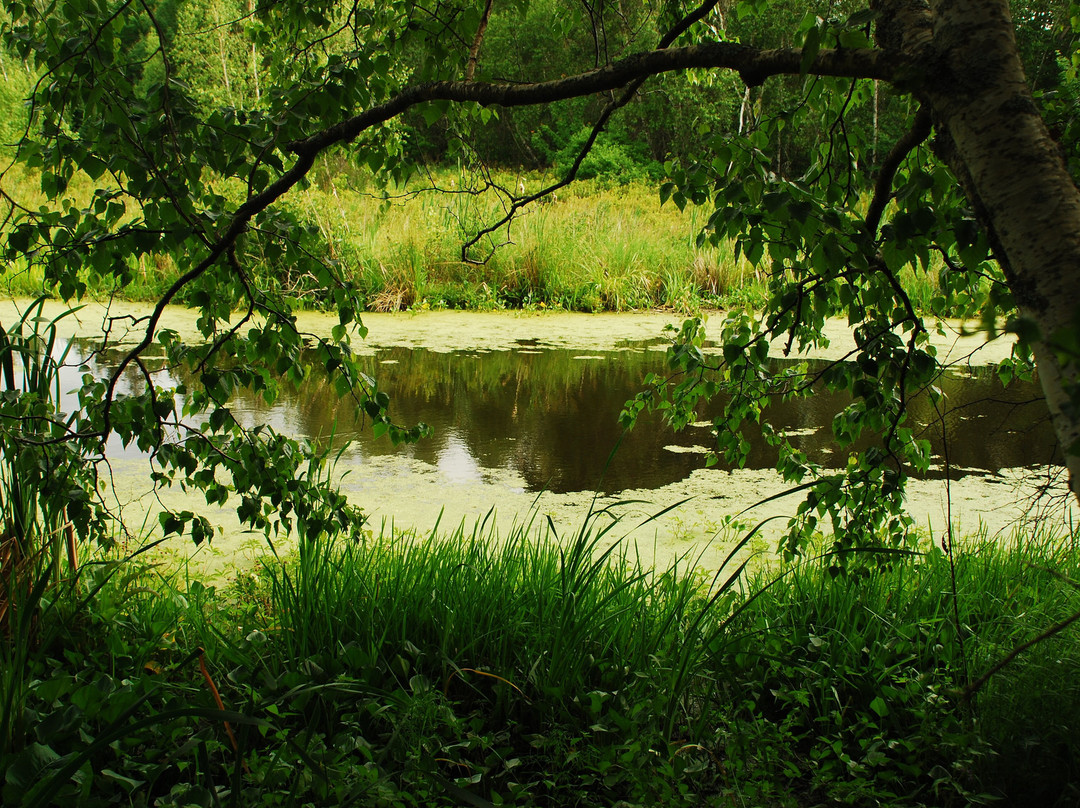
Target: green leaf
(28, 766)
(879, 706)
(811, 48)
(433, 111)
(93, 166)
(862, 18)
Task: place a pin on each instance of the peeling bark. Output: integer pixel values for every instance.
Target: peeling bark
(1011, 168)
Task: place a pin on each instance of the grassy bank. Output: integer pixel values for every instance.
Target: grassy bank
(595, 246)
(477, 670)
(591, 247)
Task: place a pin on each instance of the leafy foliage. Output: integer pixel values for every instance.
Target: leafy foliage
(611, 161)
(830, 255)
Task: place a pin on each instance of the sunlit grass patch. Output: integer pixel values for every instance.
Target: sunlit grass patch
(590, 247)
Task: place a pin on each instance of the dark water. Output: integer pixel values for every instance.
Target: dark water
(551, 416)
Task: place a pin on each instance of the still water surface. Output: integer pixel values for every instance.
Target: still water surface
(551, 418)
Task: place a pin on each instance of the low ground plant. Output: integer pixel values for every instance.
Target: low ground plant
(473, 668)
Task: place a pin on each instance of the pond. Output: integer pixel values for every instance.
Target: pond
(524, 411)
(549, 418)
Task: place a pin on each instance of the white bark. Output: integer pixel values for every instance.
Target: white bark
(998, 145)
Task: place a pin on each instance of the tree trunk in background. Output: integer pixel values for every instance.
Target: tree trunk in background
(743, 107)
(254, 57)
(873, 147)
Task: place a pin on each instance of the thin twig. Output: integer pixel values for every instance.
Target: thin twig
(919, 131)
(217, 697)
(978, 684)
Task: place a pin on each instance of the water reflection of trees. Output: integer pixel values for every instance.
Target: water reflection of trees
(552, 417)
(549, 417)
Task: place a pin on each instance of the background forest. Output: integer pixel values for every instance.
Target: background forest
(215, 55)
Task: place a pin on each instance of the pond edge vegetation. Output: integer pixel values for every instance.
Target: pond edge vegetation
(400, 248)
(465, 667)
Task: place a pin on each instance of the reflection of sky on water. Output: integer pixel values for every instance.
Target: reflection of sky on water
(76, 361)
(456, 463)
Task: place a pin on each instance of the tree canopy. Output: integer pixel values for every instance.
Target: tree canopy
(837, 145)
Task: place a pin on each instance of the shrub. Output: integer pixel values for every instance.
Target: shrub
(616, 161)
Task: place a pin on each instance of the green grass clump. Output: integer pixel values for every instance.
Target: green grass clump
(592, 247)
(485, 670)
(857, 686)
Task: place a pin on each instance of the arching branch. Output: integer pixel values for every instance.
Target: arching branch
(628, 92)
(753, 64)
(917, 134)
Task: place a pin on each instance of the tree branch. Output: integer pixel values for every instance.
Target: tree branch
(568, 178)
(683, 25)
(753, 64)
(615, 104)
(474, 50)
(978, 684)
(919, 132)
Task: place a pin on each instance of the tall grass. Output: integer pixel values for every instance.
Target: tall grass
(592, 248)
(536, 623)
(472, 668)
(808, 686)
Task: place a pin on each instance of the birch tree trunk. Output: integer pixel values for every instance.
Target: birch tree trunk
(989, 131)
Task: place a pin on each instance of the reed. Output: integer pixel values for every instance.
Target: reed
(44, 488)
